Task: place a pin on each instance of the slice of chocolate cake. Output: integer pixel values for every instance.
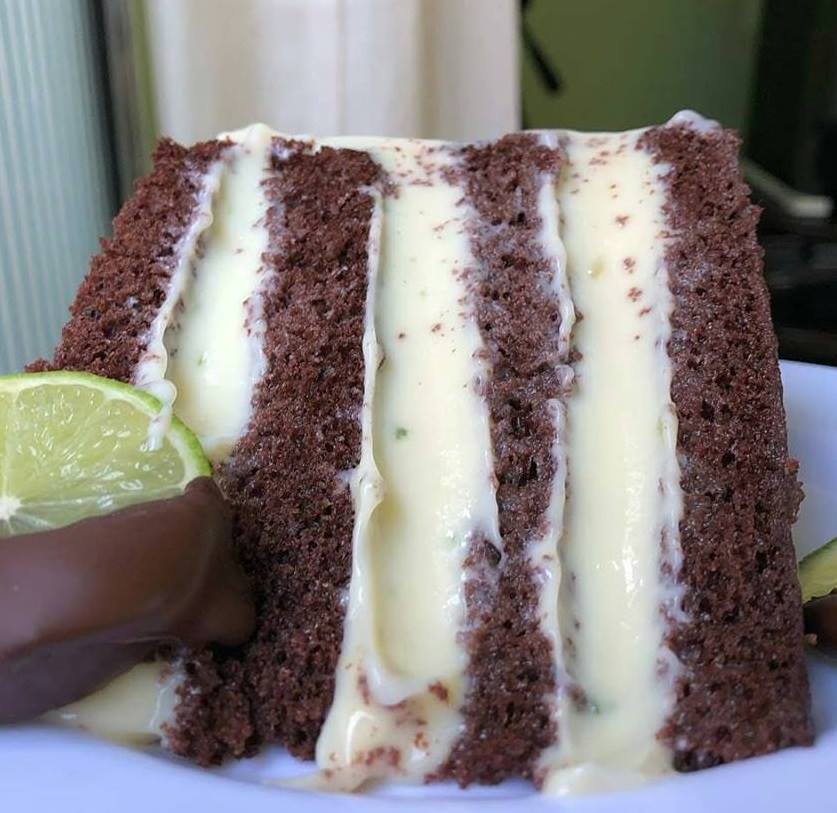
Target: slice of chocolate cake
(501, 425)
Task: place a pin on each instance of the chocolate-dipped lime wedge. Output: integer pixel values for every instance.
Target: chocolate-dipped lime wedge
(113, 540)
(818, 579)
(818, 572)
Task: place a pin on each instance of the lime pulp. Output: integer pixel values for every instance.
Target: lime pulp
(74, 445)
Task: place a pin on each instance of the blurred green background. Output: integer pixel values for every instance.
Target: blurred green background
(627, 63)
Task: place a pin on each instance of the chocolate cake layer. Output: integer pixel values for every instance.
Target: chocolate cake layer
(744, 690)
(128, 282)
(508, 711)
(287, 476)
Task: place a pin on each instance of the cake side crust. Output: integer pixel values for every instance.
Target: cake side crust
(745, 687)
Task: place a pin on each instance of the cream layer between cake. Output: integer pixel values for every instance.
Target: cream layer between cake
(214, 342)
(624, 477)
(424, 484)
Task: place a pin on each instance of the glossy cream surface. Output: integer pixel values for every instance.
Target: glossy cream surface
(621, 436)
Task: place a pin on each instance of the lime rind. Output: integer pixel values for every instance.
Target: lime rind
(818, 572)
(6, 405)
(90, 447)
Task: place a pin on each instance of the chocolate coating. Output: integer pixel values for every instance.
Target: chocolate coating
(83, 603)
(821, 621)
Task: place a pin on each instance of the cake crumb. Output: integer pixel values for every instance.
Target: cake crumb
(440, 691)
(363, 688)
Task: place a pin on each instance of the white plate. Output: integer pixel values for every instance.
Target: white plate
(44, 769)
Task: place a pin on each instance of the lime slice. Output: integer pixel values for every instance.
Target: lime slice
(74, 445)
(818, 571)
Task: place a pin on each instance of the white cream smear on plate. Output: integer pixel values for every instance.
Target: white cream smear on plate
(401, 675)
(623, 477)
(131, 709)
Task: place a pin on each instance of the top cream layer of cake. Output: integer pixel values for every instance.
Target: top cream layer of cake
(425, 480)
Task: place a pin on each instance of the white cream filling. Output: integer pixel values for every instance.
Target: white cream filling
(214, 342)
(401, 676)
(623, 478)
